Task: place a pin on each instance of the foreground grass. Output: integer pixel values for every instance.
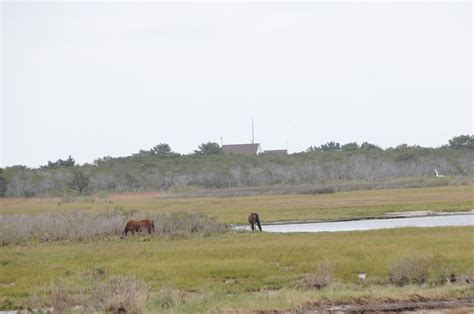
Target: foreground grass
(235, 270)
(343, 205)
(294, 298)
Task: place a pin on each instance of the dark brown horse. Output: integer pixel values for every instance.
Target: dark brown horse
(254, 219)
(139, 225)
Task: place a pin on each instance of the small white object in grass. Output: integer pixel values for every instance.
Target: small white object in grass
(362, 276)
(438, 175)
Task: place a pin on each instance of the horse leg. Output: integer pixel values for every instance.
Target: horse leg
(258, 224)
(253, 227)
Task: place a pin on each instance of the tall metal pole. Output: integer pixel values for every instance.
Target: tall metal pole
(252, 132)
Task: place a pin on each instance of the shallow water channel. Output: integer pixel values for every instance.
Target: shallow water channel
(370, 224)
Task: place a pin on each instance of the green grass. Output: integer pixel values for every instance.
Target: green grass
(343, 205)
(243, 270)
(234, 269)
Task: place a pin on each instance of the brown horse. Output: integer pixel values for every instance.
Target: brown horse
(254, 219)
(139, 225)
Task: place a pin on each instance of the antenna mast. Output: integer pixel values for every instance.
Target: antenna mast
(252, 132)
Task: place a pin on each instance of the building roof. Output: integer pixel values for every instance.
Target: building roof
(276, 151)
(242, 148)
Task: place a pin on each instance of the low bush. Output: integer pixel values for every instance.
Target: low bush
(118, 294)
(60, 299)
(408, 269)
(416, 268)
(322, 276)
(166, 298)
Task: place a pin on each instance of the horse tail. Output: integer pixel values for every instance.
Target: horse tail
(257, 219)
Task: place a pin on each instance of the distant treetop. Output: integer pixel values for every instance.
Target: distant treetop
(331, 146)
(69, 162)
(208, 148)
(462, 141)
(161, 149)
(350, 147)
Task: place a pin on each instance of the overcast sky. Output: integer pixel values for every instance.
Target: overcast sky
(91, 80)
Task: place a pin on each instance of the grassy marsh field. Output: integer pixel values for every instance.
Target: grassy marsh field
(234, 210)
(225, 271)
(239, 268)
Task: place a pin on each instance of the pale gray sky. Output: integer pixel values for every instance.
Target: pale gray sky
(96, 79)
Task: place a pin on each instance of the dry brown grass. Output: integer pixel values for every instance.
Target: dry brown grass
(84, 225)
(51, 227)
(133, 196)
(417, 268)
(166, 298)
(341, 205)
(322, 276)
(60, 299)
(119, 294)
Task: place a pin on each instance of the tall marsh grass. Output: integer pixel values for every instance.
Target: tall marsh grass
(83, 226)
(321, 188)
(418, 268)
(119, 294)
(51, 227)
(322, 277)
(104, 294)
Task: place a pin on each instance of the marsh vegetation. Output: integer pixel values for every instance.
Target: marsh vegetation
(66, 252)
(320, 169)
(234, 270)
(88, 226)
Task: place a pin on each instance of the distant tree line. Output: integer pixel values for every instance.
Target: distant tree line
(457, 142)
(159, 168)
(69, 162)
(349, 147)
(461, 142)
